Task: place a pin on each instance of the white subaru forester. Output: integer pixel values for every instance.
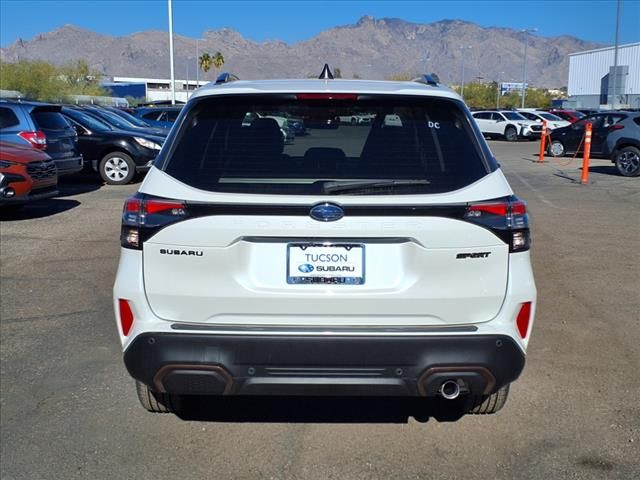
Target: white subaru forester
(384, 258)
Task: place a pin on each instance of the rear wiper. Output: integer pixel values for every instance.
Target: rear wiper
(336, 187)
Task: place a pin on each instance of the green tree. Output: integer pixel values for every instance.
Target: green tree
(218, 60)
(205, 62)
(40, 80)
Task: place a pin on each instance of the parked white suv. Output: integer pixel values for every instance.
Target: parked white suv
(507, 124)
(390, 259)
(538, 116)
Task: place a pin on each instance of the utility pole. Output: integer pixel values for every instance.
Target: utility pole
(500, 75)
(173, 75)
(524, 64)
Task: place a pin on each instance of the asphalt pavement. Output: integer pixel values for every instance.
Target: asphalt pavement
(68, 409)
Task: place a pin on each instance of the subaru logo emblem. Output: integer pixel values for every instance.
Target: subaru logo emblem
(305, 268)
(326, 212)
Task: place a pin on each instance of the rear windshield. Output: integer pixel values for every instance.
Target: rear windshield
(309, 146)
(49, 120)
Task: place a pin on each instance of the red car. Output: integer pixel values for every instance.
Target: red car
(26, 174)
(568, 115)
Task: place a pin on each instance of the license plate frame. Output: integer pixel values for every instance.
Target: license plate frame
(313, 277)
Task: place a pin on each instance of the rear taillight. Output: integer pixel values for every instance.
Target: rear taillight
(126, 316)
(507, 218)
(617, 126)
(523, 319)
(36, 138)
(143, 215)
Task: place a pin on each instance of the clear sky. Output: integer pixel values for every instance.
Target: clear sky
(296, 20)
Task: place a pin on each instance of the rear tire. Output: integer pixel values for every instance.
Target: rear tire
(156, 402)
(117, 168)
(486, 405)
(510, 134)
(628, 161)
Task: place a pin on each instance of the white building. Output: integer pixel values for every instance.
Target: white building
(159, 89)
(593, 82)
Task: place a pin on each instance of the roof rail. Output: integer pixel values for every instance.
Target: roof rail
(428, 79)
(226, 77)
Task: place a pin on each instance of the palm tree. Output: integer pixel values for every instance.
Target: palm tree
(218, 60)
(205, 61)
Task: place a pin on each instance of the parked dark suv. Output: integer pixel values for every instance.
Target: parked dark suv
(43, 127)
(615, 135)
(116, 155)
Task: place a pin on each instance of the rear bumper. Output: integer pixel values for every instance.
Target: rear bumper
(68, 166)
(212, 364)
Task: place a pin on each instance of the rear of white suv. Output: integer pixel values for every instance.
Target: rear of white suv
(383, 259)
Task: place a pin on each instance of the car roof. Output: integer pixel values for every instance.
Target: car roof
(28, 103)
(324, 86)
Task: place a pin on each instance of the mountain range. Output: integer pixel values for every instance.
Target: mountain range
(371, 48)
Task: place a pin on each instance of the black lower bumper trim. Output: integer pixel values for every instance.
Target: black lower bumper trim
(212, 364)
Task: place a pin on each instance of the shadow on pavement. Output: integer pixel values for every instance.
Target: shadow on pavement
(606, 170)
(78, 184)
(40, 209)
(318, 409)
(67, 187)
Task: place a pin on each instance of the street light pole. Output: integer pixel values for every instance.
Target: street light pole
(524, 65)
(462, 82)
(173, 76)
(616, 103)
(197, 66)
(500, 75)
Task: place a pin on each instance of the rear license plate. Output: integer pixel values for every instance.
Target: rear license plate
(338, 263)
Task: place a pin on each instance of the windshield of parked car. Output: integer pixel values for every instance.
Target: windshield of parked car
(87, 121)
(114, 119)
(551, 117)
(131, 119)
(513, 116)
(411, 145)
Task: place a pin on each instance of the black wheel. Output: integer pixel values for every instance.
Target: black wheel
(628, 161)
(486, 405)
(510, 134)
(556, 148)
(156, 402)
(354, 121)
(117, 168)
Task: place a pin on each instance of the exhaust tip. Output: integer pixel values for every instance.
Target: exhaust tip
(450, 389)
